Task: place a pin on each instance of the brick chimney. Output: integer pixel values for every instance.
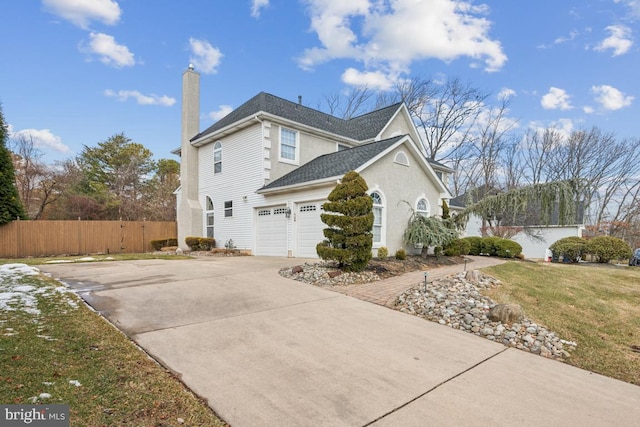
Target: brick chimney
(189, 212)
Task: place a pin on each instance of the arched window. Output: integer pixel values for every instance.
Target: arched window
(377, 218)
(209, 217)
(217, 157)
(401, 159)
(422, 207)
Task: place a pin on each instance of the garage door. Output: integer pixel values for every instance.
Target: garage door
(309, 229)
(271, 233)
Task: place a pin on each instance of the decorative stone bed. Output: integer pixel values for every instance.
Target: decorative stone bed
(455, 301)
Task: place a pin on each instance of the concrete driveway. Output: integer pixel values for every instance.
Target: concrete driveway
(265, 350)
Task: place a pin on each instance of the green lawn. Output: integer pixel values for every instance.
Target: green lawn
(53, 349)
(596, 306)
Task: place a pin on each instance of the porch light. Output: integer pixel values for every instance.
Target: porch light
(287, 213)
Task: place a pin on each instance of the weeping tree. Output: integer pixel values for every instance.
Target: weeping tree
(547, 199)
(348, 239)
(423, 231)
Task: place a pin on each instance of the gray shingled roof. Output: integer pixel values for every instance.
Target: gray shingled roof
(360, 128)
(333, 164)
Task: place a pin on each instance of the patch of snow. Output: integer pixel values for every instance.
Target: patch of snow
(48, 383)
(75, 383)
(88, 258)
(59, 261)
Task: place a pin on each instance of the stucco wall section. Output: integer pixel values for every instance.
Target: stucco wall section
(401, 187)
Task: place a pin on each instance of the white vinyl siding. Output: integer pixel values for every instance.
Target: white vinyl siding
(243, 167)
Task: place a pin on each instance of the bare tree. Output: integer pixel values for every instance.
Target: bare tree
(352, 104)
(454, 107)
(38, 184)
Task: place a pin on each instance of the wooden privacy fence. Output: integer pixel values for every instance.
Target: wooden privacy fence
(20, 239)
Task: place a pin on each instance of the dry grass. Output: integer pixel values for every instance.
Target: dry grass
(597, 307)
(92, 258)
(75, 356)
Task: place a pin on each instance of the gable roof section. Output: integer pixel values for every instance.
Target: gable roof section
(366, 126)
(333, 164)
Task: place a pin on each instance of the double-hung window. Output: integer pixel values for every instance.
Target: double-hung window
(228, 209)
(209, 217)
(289, 145)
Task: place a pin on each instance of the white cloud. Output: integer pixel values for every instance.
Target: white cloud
(110, 52)
(43, 138)
(204, 57)
(588, 109)
(560, 40)
(222, 111)
(82, 12)
(564, 127)
(611, 98)
(556, 99)
(619, 41)
(370, 79)
(389, 36)
(257, 6)
(124, 95)
(506, 93)
(633, 6)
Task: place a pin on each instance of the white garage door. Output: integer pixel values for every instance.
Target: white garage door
(309, 229)
(271, 233)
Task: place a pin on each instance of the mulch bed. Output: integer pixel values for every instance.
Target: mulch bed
(389, 267)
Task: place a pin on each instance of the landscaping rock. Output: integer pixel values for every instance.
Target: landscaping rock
(506, 313)
(297, 269)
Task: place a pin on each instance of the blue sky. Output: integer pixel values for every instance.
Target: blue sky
(76, 72)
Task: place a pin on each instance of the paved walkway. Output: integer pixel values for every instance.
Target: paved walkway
(385, 292)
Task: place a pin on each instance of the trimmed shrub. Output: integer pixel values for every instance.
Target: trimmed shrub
(571, 248)
(437, 251)
(475, 244)
(506, 248)
(200, 243)
(206, 243)
(349, 217)
(607, 248)
(457, 248)
(383, 252)
(163, 243)
(401, 254)
(489, 245)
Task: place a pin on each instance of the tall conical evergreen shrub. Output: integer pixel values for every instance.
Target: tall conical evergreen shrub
(348, 238)
(10, 204)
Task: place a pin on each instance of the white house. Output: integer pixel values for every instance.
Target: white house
(259, 175)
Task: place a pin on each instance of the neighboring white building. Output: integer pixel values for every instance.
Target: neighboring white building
(259, 175)
(532, 247)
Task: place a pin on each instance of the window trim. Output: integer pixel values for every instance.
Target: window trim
(209, 213)
(401, 158)
(424, 212)
(228, 209)
(296, 159)
(217, 149)
(381, 226)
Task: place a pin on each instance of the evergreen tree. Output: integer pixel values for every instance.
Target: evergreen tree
(10, 204)
(348, 238)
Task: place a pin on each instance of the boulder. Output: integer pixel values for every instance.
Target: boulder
(334, 274)
(297, 269)
(473, 276)
(506, 313)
